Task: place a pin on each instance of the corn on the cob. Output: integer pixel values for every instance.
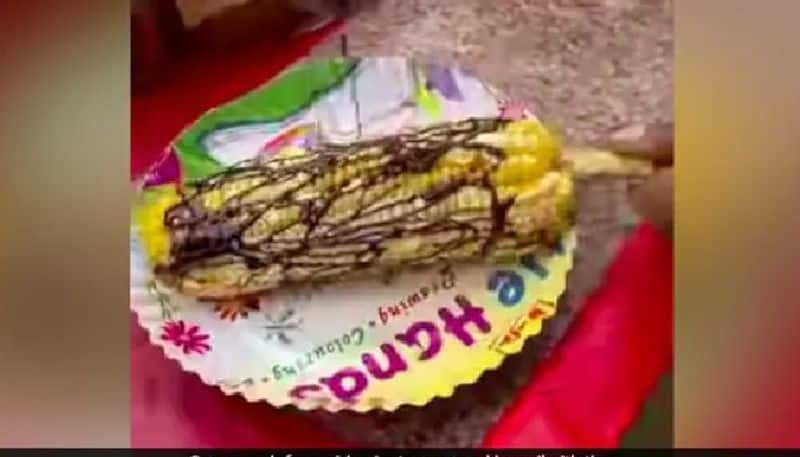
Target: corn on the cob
(477, 189)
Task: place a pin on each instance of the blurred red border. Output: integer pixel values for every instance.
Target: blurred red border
(587, 394)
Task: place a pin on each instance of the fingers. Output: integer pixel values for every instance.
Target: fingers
(654, 200)
(653, 142)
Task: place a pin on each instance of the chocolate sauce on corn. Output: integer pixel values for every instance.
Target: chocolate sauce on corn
(200, 235)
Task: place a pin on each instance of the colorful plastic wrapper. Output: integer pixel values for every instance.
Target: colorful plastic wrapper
(358, 344)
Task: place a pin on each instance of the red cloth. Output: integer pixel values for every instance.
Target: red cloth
(586, 394)
(591, 389)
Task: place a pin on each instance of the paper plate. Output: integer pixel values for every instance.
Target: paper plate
(362, 344)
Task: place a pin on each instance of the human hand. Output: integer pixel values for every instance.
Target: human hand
(653, 200)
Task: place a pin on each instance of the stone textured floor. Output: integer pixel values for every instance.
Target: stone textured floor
(585, 66)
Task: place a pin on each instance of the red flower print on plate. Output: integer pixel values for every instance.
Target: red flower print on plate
(233, 309)
(185, 337)
(513, 110)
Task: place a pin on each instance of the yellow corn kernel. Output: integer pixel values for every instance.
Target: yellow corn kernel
(452, 192)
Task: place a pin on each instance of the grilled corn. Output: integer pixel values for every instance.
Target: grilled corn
(476, 189)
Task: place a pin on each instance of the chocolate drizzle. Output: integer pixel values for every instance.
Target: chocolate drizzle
(324, 235)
